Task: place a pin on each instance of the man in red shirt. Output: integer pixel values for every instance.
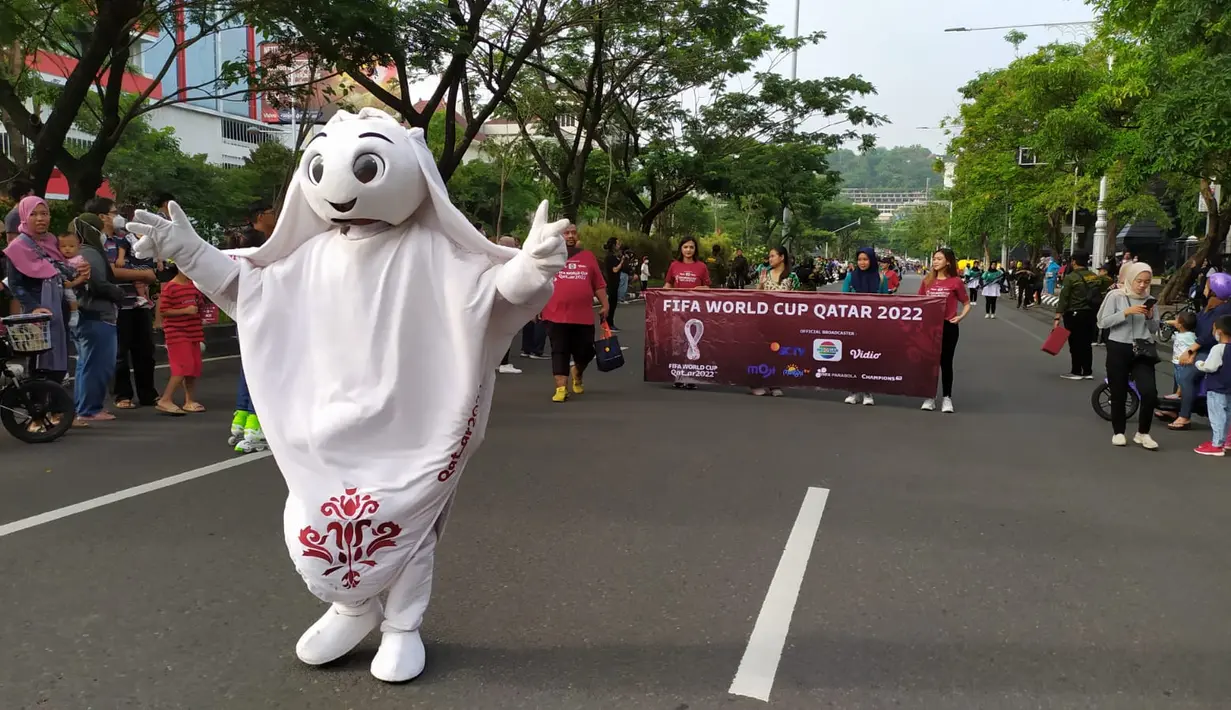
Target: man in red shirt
(570, 315)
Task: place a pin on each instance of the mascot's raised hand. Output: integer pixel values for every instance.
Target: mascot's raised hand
(542, 255)
(213, 272)
(162, 238)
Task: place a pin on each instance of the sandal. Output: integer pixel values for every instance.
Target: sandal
(170, 410)
(125, 404)
(1183, 427)
(194, 407)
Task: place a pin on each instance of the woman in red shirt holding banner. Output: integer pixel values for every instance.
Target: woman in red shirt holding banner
(687, 273)
(942, 280)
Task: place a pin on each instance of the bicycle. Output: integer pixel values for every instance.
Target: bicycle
(33, 411)
(1165, 331)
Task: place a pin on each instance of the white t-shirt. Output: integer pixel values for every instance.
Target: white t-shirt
(645, 271)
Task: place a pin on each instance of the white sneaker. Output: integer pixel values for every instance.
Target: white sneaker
(853, 399)
(1147, 442)
(508, 370)
(929, 405)
(775, 392)
(1119, 440)
(946, 406)
(987, 315)
(868, 401)
(993, 316)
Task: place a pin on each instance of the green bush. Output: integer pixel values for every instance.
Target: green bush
(595, 236)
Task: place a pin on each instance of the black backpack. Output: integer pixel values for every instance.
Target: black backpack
(1094, 291)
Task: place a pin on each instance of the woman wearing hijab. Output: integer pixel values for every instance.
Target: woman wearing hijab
(37, 275)
(1131, 350)
(866, 277)
(95, 334)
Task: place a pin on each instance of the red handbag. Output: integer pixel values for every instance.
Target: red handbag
(1056, 340)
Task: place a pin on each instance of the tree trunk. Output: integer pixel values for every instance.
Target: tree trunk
(1215, 234)
(987, 254)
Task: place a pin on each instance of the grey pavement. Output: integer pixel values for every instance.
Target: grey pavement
(615, 552)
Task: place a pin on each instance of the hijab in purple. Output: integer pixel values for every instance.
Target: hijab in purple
(25, 257)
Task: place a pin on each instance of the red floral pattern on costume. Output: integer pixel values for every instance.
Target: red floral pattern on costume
(346, 533)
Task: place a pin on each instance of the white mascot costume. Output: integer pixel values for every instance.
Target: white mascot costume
(372, 323)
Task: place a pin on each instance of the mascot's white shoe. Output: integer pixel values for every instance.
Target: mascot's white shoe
(338, 632)
(401, 657)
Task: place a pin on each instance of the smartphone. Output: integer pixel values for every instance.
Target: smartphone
(1150, 301)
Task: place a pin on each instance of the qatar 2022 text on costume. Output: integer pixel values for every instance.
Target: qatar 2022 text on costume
(372, 321)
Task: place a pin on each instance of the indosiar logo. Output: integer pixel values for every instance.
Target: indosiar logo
(826, 350)
(762, 370)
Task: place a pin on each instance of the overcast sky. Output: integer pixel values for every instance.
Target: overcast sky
(900, 46)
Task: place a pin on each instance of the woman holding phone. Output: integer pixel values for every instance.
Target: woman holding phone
(1128, 315)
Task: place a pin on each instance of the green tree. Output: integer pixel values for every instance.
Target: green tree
(99, 38)
(897, 168)
(1177, 83)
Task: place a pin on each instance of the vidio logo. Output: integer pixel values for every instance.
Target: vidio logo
(787, 350)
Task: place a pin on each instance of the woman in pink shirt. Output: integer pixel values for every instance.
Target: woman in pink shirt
(942, 280)
(687, 272)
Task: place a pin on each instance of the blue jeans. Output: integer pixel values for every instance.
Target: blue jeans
(1219, 405)
(534, 337)
(96, 349)
(623, 291)
(243, 401)
(1187, 378)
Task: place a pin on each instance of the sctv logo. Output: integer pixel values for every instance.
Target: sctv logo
(787, 350)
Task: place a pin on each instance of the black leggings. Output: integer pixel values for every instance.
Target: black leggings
(974, 295)
(1122, 367)
(948, 346)
(570, 340)
(989, 303)
(613, 300)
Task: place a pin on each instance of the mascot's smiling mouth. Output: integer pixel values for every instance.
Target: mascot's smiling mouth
(345, 206)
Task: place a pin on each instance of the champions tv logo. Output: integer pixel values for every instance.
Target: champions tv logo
(826, 350)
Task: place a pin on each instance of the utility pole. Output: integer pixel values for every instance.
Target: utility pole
(786, 211)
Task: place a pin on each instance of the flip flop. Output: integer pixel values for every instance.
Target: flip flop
(172, 411)
(194, 408)
(1182, 427)
(125, 404)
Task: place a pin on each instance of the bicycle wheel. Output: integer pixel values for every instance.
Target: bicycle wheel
(36, 411)
(1100, 400)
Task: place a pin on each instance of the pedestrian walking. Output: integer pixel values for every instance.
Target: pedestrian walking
(993, 283)
(570, 316)
(1081, 295)
(1128, 314)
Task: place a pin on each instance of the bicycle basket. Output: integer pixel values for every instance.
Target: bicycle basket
(28, 334)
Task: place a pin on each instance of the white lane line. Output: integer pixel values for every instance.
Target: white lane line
(1036, 336)
(60, 513)
(166, 365)
(755, 677)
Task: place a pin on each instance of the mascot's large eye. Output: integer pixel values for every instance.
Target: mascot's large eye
(316, 169)
(368, 167)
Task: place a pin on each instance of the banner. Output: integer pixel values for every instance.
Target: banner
(840, 341)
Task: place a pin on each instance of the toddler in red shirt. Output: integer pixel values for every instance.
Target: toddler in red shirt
(181, 325)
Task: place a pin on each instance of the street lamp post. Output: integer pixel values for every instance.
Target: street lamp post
(786, 211)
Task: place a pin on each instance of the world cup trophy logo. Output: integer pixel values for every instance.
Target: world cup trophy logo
(693, 330)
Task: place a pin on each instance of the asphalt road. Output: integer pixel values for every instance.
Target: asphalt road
(615, 552)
